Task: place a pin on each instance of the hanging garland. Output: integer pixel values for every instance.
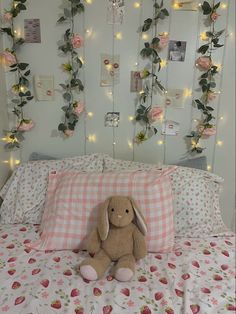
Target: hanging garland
(146, 113)
(73, 85)
(20, 89)
(205, 127)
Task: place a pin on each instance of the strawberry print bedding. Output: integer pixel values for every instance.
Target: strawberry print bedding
(197, 277)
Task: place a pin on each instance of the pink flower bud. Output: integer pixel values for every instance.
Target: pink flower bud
(204, 63)
(208, 131)
(77, 41)
(7, 58)
(26, 125)
(214, 16)
(78, 108)
(155, 114)
(69, 133)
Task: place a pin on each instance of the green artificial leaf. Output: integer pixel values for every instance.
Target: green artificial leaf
(218, 45)
(205, 75)
(218, 34)
(203, 49)
(147, 25)
(67, 12)
(212, 84)
(155, 130)
(204, 88)
(61, 19)
(155, 41)
(21, 7)
(147, 45)
(207, 9)
(216, 6)
(62, 127)
(13, 70)
(165, 12)
(63, 86)
(22, 66)
(203, 82)
(67, 96)
(209, 34)
(27, 73)
(209, 108)
(30, 98)
(7, 30)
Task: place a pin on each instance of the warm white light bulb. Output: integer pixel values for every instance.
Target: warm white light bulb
(90, 114)
(219, 143)
(137, 5)
(160, 142)
(131, 118)
(119, 36)
(209, 167)
(145, 36)
(223, 5)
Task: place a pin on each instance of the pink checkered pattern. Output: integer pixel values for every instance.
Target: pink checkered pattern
(74, 197)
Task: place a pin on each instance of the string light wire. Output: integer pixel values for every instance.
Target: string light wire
(84, 92)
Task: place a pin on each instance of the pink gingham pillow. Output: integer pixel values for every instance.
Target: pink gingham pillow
(73, 199)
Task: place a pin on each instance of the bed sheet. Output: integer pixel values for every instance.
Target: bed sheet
(197, 277)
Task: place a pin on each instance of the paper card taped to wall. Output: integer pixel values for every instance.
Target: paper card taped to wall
(136, 84)
(112, 119)
(170, 127)
(44, 87)
(185, 5)
(115, 11)
(175, 98)
(32, 31)
(110, 70)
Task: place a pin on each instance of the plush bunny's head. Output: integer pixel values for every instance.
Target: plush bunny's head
(119, 211)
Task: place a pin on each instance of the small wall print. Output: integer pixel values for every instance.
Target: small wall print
(44, 87)
(110, 70)
(170, 127)
(112, 119)
(177, 50)
(136, 84)
(32, 31)
(115, 11)
(175, 98)
(185, 5)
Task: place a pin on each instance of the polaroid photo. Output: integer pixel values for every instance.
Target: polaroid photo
(170, 127)
(115, 11)
(175, 99)
(185, 5)
(112, 119)
(44, 87)
(32, 31)
(136, 84)
(110, 70)
(177, 50)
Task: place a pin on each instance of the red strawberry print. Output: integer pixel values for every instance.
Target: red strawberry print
(126, 292)
(11, 259)
(158, 257)
(36, 271)
(27, 241)
(107, 309)
(187, 243)
(31, 260)
(44, 283)
(15, 285)
(228, 242)
(169, 310)
(153, 268)
(4, 236)
(56, 304)
(224, 267)
(179, 293)
(172, 266)
(195, 308)
(67, 272)
(79, 310)
(56, 259)
(212, 244)
(27, 250)
(158, 296)
(19, 300)
(163, 280)
(142, 279)
(86, 280)
(206, 252)
(195, 264)
(185, 276)
(145, 310)
(11, 271)
(230, 307)
(225, 253)
(97, 292)
(10, 246)
(217, 277)
(178, 253)
(205, 290)
(48, 251)
(75, 251)
(110, 278)
(92, 254)
(74, 293)
(23, 229)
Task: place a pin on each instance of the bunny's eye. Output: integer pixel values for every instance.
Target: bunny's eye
(127, 211)
(112, 209)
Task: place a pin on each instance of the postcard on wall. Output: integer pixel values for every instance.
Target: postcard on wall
(175, 98)
(177, 50)
(110, 70)
(185, 5)
(44, 87)
(112, 119)
(32, 31)
(115, 11)
(136, 84)
(170, 127)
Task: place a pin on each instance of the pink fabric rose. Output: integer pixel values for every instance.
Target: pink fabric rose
(26, 125)
(204, 63)
(7, 58)
(208, 131)
(164, 40)
(77, 41)
(155, 114)
(7, 17)
(211, 96)
(69, 133)
(78, 108)
(214, 16)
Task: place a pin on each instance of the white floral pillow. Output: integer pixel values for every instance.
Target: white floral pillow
(25, 192)
(196, 198)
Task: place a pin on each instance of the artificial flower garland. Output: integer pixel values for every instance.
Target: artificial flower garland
(147, 114)
(205, 127)
(20, 90)
(73, 85)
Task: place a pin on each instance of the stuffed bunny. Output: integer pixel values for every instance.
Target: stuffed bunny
(119, 237)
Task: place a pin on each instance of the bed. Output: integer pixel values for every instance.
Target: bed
(197, 276)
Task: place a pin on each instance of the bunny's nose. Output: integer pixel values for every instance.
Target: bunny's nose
(119, 216)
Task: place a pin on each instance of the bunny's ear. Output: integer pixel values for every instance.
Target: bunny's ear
(139, 219)
(103, 222)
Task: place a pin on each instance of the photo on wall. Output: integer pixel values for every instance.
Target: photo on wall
(112, 119)
(177, 50)
(175, 98)
(32, 31)
(115, 11)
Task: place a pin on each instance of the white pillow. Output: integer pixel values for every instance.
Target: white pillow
(25, 192)
(196, 198)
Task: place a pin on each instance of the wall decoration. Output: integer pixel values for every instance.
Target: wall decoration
(170, 127)
(21, 87)
(177, 50)
(149, 75)
(73, 86)
(115, 11)
(110, 70)
(44, 87)
(136, 84)
(32, 31)
(185, 5)
(205, 64)
(175, 98)
(112, 119)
